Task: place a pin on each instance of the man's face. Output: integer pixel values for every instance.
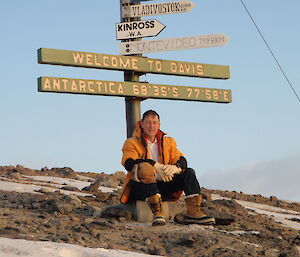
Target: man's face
(150, 126)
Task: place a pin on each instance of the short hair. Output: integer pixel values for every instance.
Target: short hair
(149, 113)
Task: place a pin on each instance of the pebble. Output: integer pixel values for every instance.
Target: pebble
(148, 241)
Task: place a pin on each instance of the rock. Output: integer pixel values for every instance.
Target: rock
(176, 207)
(158, 250)
(222, 218)
(75, 219)
(296, 240)
(188, 241)
(97, 212)
(109, 181)
(75, 199)
(8, 230)
(88, 220)
(206, 194)
(294, 219)
(273, 198)
(93, 187)
(45, 169)
(103, 197)
(15, 175)
(44, 190)
(3, 223)
(70, 188)
(53, 223)
(63, 237)
(179, 218)
(122, 219)
(64, 208)
(64, 172)
(86, 211)
(148, 241)
(120, 176)
(36, 205)
(118, 211)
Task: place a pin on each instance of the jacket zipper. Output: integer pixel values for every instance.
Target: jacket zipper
(162, 149)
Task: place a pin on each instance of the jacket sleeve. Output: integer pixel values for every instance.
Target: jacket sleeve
(129, 152)
(177, 157)
(182, 163)
(131, 156)
(130, 162)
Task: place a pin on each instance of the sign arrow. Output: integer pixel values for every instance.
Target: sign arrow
(138, 29)
(171, 44)
(139, 10)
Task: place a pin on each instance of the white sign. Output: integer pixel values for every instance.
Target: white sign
(137, 29)
(171, 44)
(133, 1)
(139, 10)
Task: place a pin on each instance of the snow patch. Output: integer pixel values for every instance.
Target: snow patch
(278, 214)
(20, 247)
(70, 182)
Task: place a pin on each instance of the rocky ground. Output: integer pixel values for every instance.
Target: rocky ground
(49, 214)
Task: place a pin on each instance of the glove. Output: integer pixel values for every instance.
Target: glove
(171, 170)
(160, 173)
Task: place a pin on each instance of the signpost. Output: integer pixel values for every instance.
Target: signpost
(139, 10)
(138, 29)
(132, 104)
(130, 30)
(133, 89)
(172, 44)
(137, 64)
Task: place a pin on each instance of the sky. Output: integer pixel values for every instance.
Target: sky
(249, 145)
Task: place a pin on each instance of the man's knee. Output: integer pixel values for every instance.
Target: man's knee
(146, 173)
(190, 172)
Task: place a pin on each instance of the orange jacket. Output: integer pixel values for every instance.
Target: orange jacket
(136, 148)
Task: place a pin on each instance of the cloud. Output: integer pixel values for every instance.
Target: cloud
(279, 177)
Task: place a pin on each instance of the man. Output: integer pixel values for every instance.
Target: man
(158, 171)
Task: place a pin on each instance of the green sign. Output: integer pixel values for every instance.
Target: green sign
(131, 63)
(133, 89)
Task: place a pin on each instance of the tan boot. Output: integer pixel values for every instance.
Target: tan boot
(194, 214)
(155, 204)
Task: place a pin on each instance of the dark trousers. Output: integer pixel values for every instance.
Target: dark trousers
(185, 181)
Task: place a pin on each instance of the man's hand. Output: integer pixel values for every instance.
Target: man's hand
(161, 174)
(171, 170)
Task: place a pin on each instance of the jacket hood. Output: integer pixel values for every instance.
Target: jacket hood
(138, 130)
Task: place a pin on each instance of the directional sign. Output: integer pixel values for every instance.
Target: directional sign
(138, 29)
(139, 10)
(133, 89)
(132, 63)
(133, 1)
(171, 44)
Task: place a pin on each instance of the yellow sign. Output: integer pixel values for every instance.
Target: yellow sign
(131, 63)
(133, 89)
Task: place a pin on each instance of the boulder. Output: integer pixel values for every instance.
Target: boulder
(64, 172)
